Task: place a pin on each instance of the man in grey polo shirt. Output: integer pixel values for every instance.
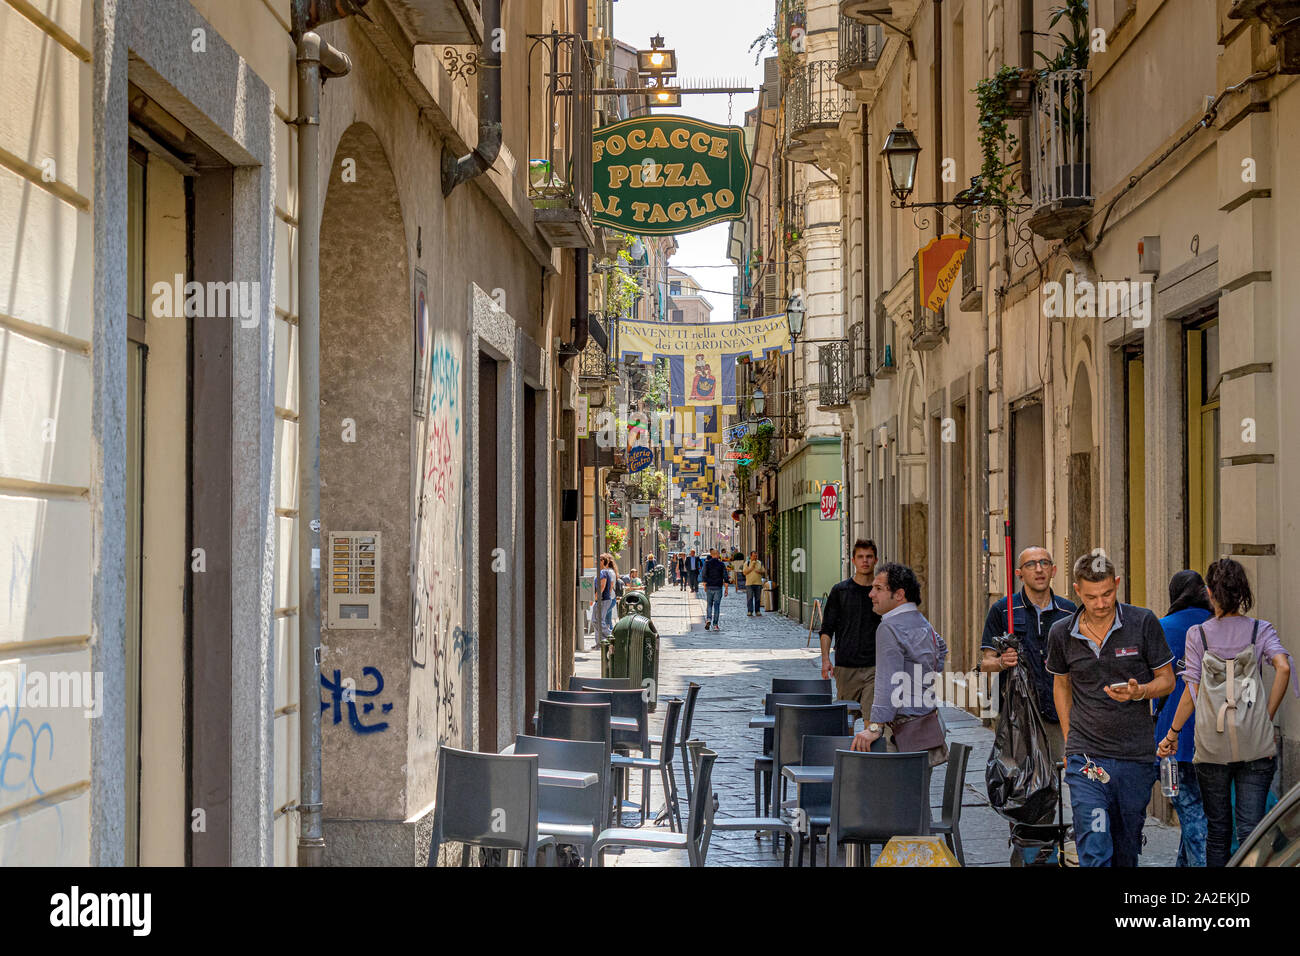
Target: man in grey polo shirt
(1108, 660)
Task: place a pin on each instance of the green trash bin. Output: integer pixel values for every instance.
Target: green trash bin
(633, 602)
(661, 576)
(633, 651)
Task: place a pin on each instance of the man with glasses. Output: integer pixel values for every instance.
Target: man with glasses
(1036, 609)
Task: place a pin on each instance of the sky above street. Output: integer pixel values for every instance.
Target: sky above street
(712, 39)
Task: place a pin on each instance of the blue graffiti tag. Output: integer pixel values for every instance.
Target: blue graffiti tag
(445, 389)
(338, 690)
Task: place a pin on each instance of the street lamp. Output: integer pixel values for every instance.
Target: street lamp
(795, 312)
(759, 401)
(656, 61)
(901, 151)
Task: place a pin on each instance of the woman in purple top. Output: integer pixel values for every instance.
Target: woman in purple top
(1225, 636)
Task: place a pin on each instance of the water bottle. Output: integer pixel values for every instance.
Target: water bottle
(1169, 776)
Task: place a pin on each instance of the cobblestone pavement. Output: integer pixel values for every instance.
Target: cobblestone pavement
(735, 667)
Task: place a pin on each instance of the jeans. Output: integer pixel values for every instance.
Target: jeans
(606, 609)
(1108, 817)
(1191, 817)
(693, 581)
(754, 598)
(1252, 779)
(713, 607)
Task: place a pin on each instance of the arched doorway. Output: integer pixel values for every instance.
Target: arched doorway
(913, 494)
(1081, 534)
(366, 469)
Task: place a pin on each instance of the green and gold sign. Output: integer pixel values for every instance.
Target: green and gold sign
(662, 175)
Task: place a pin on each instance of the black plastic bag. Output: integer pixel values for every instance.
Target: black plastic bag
(1020, 777)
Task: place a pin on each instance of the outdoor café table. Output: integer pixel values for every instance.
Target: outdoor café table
(572, 779)
(623, 723)
(800, 774)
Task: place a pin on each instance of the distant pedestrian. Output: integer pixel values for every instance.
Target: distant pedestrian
(1235, 745)
(849, 622)
(754, 572)
(908, 653)
(1189, 605)
(606, 584)
(737, 566)
(693, 568)
(1108, 660)
(715, 586)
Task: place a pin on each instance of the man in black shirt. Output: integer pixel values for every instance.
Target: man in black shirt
(850, 623)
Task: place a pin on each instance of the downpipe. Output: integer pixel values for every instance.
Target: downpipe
(457, 170)
(317, 62)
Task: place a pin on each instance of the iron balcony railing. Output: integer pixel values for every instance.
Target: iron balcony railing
(593, 361)
(833, 386)
(559, 168)
(860, 46)
(794, 214)
(859, 360)
(814, 99)
(1060, 149)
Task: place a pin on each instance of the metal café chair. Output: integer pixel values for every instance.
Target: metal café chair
(815, 798)
(695, 841)
(573, 817)
(684, 738)
(576, 722)
(632, 704)
(878, 796)
(663, 763)
(949, 822)
(600, 683)
(793, 723)
(730, 824)
(763, 763)
(491, 802)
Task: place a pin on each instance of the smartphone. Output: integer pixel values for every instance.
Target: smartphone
(1117, 686)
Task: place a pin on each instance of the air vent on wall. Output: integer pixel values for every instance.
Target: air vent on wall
(354, 580)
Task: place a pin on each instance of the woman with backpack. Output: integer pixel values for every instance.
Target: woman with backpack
(1223, 680)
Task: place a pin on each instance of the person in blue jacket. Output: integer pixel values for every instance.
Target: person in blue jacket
(1189, 605)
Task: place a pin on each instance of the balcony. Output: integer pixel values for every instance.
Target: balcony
(441, 21)
(833, 386)
(859, 361)
(1281, 18)
(1060, 154)
(559, 165)
(593, 360)
(814, 105)
(794, 218)
(860, 49)
(898, 13)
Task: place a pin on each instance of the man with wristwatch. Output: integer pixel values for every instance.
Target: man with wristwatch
(1108, 660)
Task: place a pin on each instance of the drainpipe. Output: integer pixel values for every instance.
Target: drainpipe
(317, 62)
(937, 94)
(459, 170)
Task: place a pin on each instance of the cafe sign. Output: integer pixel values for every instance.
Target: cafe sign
(662, 175)
(938, 264)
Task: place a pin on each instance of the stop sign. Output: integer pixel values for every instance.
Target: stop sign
(830, 502)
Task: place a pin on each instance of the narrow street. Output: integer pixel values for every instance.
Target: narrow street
(735, 667)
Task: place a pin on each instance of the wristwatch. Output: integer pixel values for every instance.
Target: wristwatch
(875, 728)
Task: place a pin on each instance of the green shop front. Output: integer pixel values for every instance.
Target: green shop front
(808, 545)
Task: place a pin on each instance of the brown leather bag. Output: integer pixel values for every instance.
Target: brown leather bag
(926, 732)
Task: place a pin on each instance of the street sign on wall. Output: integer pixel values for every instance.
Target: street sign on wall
(663, 175)
(830, 501)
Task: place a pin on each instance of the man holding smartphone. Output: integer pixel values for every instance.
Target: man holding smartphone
(1108, 661)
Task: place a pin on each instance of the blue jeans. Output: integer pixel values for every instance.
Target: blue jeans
(1191, 816)
(1108, 817)
(607, 618)
(1252, 779)
(754, 598)
(713, 605)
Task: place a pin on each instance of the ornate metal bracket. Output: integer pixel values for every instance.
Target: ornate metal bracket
(461, 66)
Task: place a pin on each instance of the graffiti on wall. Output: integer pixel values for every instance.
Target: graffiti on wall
(24, 748)
(437, 571)
(344, 692)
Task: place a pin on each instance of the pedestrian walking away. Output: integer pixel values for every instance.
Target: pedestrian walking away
(715, 586)
(693, 567)
(753, 572)
(1235, 739)
(1189, 605)
(849, 623)
(1108, 661)
(909, 652)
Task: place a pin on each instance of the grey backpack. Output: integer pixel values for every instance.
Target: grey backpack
(1232, 722)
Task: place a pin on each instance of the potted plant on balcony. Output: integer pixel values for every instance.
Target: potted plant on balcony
(1073, 178)
(999, 98)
